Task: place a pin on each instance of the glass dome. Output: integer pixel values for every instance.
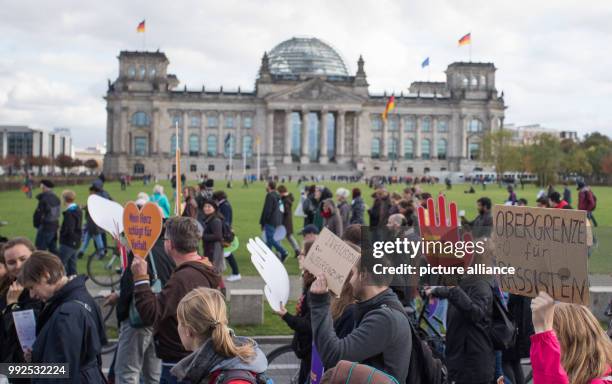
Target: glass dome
(306, 56)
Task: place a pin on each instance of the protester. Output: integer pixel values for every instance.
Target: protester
(135, 358)
(28, 184)
(158, 197)
(215, 350)
(555, 199)
(301, 343)
(569, 345)
(225, 209)
(395, 199)
(543, 202)
(212, 235)
(287, 199)
(310, 232)
(272, 217)
(321, 194)
(522, 202)
(192, 271)
(46, 217)
(70, 233)
(587, 201)
(520, 311)
(92, 231)
(357, 207)
(346, 372)
(69, 328)
(331, 217)
(344, 209)
(567, 194)
(379, 213)
(191, 205)
(382, 334)
(482, 225)
(511, 195)
(343, 310)
(14, 297)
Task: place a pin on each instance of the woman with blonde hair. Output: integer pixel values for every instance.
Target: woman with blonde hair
(569, 345)
(217, 354)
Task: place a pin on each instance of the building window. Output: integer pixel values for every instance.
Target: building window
(393, 147)
(409, 124)
(376, 123)
(442, 126)
(426, 149)
(475, 126)
(20, 144)
(426, 170)
(474, 82)
(140, 119)
(195, 121)
(426, 124)
(393, 124)
(409, 170)
(483, 81)
(211, 145)
(229, 146)
(375, 148)
(193, 168)
(247, 122)
(296, 135)
(408, 149)
(194, 145)
(228, 121)
(131, 72)
(152, 73)
(213, 121)
(465, 81)
(139, 168)
(177, 119)
(143, 72)
(474, 149)
(173, 143)
(211, 167)
(247, 146)
(442, 149)
(140, 146)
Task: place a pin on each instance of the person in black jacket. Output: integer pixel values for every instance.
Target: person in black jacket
(46, 217)
(272, 217)
(287, 199)
(70, 233)
(70, 328)
(92, 231)
(225, 209)
(13, 255)
(520, 310)
(212, 235)
(470, 357)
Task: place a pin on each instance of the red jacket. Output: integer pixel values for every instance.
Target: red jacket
(586, 201)
(562, 204)
(546, 361)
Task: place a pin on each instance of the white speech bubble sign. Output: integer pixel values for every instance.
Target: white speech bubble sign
(107, 214)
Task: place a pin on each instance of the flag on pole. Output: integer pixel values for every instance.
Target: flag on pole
(389, 107)
(465, 40)
(179, 187)
(425, 63)
(141, 27)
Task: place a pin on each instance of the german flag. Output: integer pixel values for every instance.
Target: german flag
(467, 39)
(389, 107)
(141, 27)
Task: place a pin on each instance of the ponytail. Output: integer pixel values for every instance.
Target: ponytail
(223, 342)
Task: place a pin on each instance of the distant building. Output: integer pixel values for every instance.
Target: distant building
(96, 153)
(527, 134)
(24, 142)
(569, 135)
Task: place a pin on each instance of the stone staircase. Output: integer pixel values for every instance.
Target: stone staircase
(321, 170)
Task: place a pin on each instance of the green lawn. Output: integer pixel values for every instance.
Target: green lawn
(247, 202)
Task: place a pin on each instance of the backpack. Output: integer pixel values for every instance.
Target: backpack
(227, 234)
(503, 331)
(238, 376)
(423, 367)
(594, 200)
(346, 372)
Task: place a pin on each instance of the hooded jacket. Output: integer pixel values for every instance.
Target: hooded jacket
(344, 210)
(160, 309)
(357, 209)
(70, 330)
(288, 214)
(271, 213)
(198, 366)
(333, 222)
(46, 216)
(70, 233)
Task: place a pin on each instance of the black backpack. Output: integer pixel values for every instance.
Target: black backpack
(227, 233)
(233, 375)
(503, 330)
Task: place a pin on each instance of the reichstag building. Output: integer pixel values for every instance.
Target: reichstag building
(307, 115)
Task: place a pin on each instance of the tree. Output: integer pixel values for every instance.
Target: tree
(545, 157)
(499, 152)
(40, 162)
(575, 162)
(91, 164)
(64, 161)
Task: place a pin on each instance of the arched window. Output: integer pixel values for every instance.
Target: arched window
(229, 146)
(465, 81)
(194, 145)
(475, 126)
(442, 149)
(483, 81)
(474, 149)
(393, 148)
(474, 82)
(247, 146)
(142, 72)
(173, 143)
(211, 145)
(375, 148)
(408, 149)
(195, 121)
(442, 126)
(131, 72)
(212, 121)
(426, 149)
(409, 124)
(140, 119)
(426, 124)
(247, 122)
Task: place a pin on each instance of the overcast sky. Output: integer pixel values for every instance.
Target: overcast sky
(554, 58)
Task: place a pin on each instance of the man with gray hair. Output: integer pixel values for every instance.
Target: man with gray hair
(181, 240)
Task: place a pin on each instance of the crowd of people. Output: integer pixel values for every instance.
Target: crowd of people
(172, 314)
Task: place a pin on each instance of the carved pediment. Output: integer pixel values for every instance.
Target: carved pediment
(316, 90)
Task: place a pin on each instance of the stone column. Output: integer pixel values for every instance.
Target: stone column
(221, 139)
(123, 131)
(270, 136)
(383, 141)
(463, 148)
(417, 139)
(109, 135)
(203, 138)
(434, 140)
(304, 159)
(238, 142)
(185, 134)
(402, 138)
(155, 128)
(340, 131)
(323, 137)
(287, 149)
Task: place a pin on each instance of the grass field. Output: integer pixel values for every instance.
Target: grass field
(247, 202)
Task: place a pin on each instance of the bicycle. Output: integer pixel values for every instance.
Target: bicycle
(283, 365)
(109, 263)
(108, 312)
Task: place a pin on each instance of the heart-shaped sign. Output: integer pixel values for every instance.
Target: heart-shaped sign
(142, 227)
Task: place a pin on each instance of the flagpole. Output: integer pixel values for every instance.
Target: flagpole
(177, 207)
(470, 50)
(231, 154)
(258, 159)
(243, 161)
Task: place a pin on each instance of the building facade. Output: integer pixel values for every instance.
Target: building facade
(25, 142)
(306, 115)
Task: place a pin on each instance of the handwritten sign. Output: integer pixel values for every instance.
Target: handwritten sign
(333, 257)
(142, 227)
(25, 325)
(548, 248)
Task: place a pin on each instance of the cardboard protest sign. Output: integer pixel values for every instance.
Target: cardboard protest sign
(107, 214)
(331, 256)
(548, 248)
(142, 227)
